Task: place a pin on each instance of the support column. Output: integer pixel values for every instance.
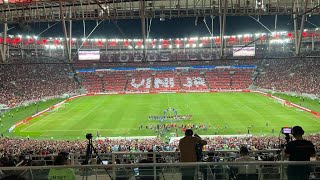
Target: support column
(223, 24)
(302, 27)
(312, 43)
(143, 28)
(70, 36)
(64, 29)
(295, 27)
(3, 47)
(275, 22)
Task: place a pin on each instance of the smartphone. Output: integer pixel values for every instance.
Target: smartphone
(105, 162)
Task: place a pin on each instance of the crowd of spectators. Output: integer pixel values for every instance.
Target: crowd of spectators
(21, 82)
(17, 147)
(290, 75)
(32, 82)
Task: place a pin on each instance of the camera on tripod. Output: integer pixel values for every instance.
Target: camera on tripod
(286, 130)
(89, 136)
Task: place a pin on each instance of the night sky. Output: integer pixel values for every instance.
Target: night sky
(170, 28)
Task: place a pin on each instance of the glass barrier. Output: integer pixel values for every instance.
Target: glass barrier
(158, 156)
(146, 170)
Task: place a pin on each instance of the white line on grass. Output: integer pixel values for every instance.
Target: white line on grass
(73, 107)
(248, 107)
(55, 112)
(40, 120)
(302, 114)
(92, 110)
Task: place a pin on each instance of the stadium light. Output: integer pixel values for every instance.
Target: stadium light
(279, 41)
(160, 46)
(283, 32)
(35, 37)
(170, 46)
(194, 45)
(187, 45)
(178, 46)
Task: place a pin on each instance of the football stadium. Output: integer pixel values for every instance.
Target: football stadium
(166, 89)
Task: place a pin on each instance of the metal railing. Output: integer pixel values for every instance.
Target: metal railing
(200, 170)
(128, 9)
(164, 165)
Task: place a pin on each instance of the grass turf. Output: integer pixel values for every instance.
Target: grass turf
(121, 115)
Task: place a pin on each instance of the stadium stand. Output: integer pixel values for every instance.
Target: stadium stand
(283, 75)
(193, 81)
(147, 80)
(32, 82)
(139, 81)
(16, 147)
(273, 74)
(115, 82)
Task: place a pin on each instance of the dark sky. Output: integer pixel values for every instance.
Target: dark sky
(170, 28)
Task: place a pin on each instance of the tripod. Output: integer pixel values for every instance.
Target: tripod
(90, 149)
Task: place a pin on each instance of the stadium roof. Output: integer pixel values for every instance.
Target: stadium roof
(47, 10)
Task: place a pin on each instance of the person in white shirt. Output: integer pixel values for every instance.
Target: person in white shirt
(246, 172)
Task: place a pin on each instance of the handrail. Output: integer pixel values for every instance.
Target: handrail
(165, 152)
(187, 164)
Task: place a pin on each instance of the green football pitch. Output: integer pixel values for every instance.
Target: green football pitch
(121, 115)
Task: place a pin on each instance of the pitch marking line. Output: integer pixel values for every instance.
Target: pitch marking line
(40, 120)
(75, 130)
(92, 110)
(302, 114)
(69, 109)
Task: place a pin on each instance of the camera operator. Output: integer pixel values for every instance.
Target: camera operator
(188, 146)
(299, 150)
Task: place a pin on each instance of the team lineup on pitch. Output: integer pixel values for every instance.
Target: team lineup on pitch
(128, 115)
